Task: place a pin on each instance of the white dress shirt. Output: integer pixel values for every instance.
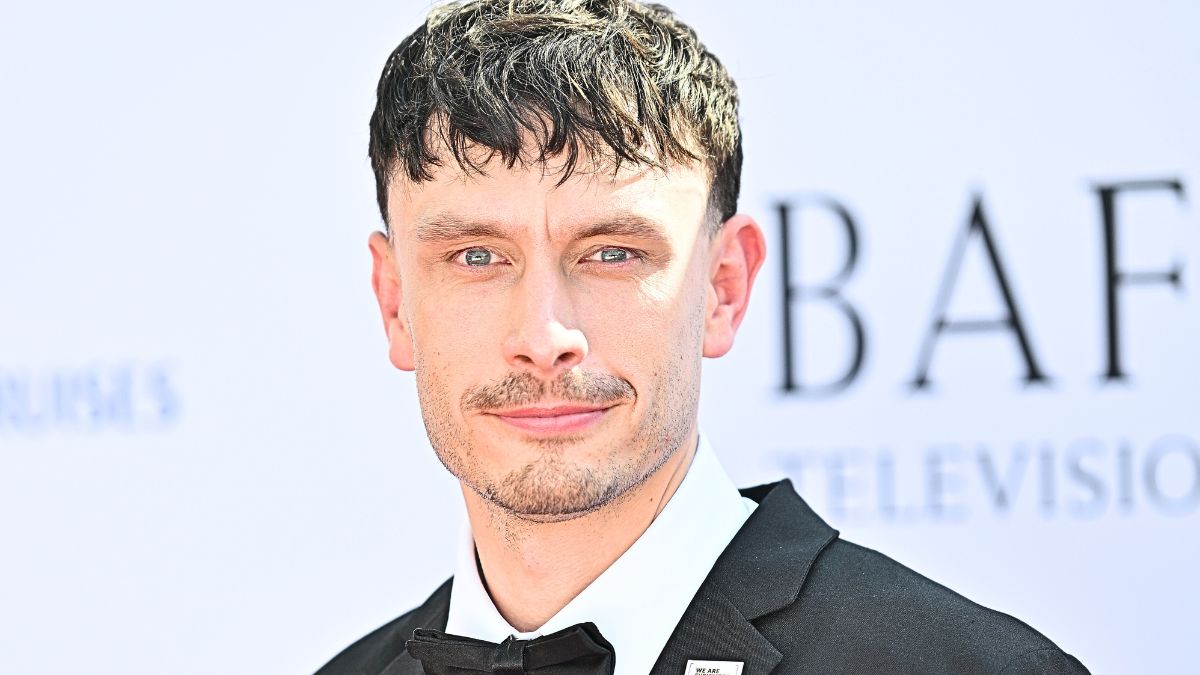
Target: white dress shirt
(639, 599)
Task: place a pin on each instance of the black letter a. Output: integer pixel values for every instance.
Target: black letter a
(1012, 321)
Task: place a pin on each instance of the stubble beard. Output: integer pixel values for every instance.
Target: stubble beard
(557, 485)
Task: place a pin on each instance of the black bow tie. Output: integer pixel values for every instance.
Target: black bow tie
(578, 650)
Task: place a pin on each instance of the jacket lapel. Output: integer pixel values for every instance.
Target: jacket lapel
(392, 657)
(760, 572)
(713, 629)
(402, 664)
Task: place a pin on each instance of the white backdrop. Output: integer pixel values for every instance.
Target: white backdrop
(208, 466)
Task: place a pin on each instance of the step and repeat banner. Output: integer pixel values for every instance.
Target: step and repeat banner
(973, 346)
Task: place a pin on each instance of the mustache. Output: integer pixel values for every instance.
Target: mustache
(525, 389)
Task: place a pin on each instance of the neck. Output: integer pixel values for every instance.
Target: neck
(533, 569)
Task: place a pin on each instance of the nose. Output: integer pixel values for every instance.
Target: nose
(543, 337)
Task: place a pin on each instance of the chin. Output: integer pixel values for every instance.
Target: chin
(543, 518)
(558, 486)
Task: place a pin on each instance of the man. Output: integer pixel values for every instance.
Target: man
(558, 182)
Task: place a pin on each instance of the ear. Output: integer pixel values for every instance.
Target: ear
(736, 255)
(385, 281)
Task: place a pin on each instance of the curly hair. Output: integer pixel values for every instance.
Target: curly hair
(601, 81)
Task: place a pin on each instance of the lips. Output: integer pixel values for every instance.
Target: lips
(549, 412)
(556, 420)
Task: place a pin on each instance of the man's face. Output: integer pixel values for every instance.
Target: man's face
(510, 295)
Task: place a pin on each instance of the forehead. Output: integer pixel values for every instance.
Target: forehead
(535, 197)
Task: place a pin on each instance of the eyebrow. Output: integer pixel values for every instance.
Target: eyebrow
(443, 229)
(449, 228)
(626, 225)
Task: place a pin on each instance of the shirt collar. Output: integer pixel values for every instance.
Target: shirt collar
(639, 599)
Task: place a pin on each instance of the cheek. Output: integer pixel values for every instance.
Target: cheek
(638, 330)
(672, 303)
(452, 333)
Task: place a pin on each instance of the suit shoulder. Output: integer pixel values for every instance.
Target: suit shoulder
(886, 616)
(372, 652)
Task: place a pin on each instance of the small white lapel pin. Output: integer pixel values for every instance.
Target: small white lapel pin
(713, 668)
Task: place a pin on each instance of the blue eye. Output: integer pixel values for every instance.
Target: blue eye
(478, 257)
(614, 255)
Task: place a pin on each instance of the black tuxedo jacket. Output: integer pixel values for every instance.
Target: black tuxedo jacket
(788, 596)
